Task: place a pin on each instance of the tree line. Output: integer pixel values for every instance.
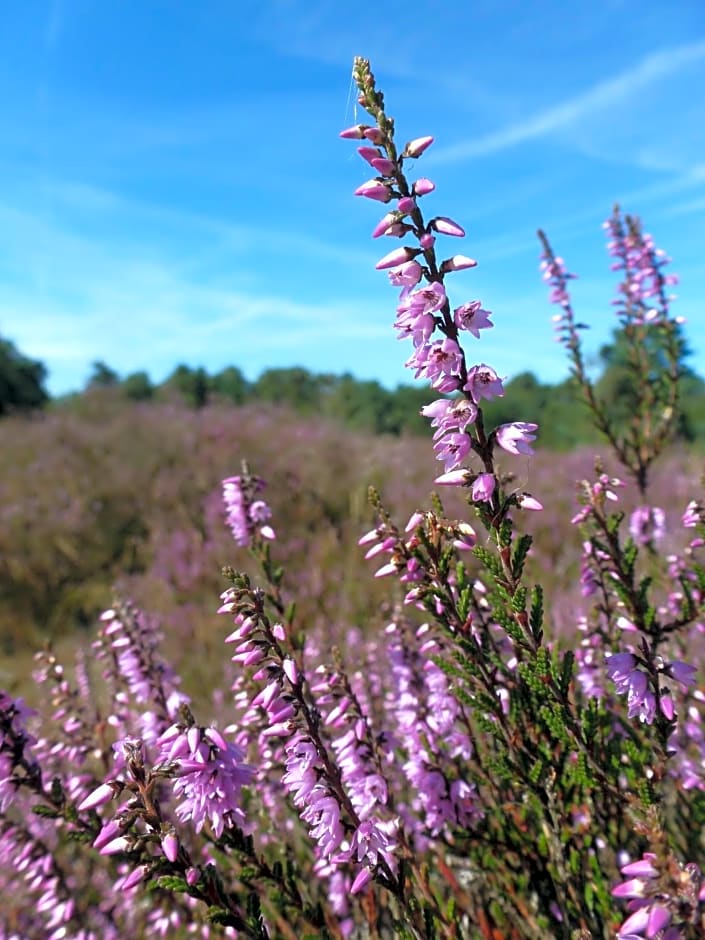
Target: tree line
(362, 405)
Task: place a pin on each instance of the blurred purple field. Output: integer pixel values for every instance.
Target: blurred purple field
(126, 497)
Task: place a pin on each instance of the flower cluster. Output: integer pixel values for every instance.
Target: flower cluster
(246, 514)
(15, 747)
(424, 313)
(663, 898)
(643, 294)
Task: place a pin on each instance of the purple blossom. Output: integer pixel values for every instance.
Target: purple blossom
(246, 515)
(623, 670)
(210, 774)
(647, 525)
(483, 487)
(516, 438)
(472, 317)
(483, 382)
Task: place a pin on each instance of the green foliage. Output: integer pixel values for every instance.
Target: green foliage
(21, 380)
(102, 376)
(230, 384)
(138, 387)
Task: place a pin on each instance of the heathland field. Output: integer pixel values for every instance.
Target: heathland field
(126, 497)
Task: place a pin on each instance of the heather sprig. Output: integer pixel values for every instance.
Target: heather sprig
(653, 344)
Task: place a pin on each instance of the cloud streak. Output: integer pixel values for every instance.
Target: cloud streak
(601, 97)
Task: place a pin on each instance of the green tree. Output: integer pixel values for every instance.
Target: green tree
(21, 380)
(138, 387)
(294, 386)
(230, 383)
(102, 376)
(190, 384)
(617, 388)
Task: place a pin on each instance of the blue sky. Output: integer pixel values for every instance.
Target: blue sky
(173, 188)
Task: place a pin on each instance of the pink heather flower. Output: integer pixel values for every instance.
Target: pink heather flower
(647, 525)
(446, 226)
(170, 846)
(692, 514)
(245, 515)
(526, 501)
(622, 668)
(374, 189)
(15, 746)
(453, 478)
(650, 907)
(427, 241)
(483, 382)
(211, 774)
(406, 204)
(369, 153)
(457, 263)
(417, 146)
(363, 878)
(426, 299)
(483, 487)
(472, 317)
(423, 186)
(453, 449)
(681, 672)
(406, 276)
(396, 257)
(384, 224)
(439, 359)
(466, 538)
(462, 412)
(98, 797)
(356, 132)
(384, 166)
(516, 438)
(133, 879)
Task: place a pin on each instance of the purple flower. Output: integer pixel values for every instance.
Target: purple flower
(472, 317)
(516, 438)
(647, 525)
(483, 382)
(483, 487)
(622, 668)
(417, 146)
(246, 515)
(374, 189)
(692, 515)
(453, 449)
(210, 775)
(446, 226)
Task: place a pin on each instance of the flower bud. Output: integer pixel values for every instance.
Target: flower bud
(356, 132)
(423, 186)
(384, 166)
(374, 189)
(384, 224)
(457, 263)
(417, 146)
(396, 257)
(369, 153)
(447, 226)
(406, 204)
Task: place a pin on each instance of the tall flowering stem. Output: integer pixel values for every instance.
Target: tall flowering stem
(652, 343)
(424, 314)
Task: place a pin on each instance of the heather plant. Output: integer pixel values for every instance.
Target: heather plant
(464, 769)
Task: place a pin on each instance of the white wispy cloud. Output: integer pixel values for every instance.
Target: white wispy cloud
(603, 96)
